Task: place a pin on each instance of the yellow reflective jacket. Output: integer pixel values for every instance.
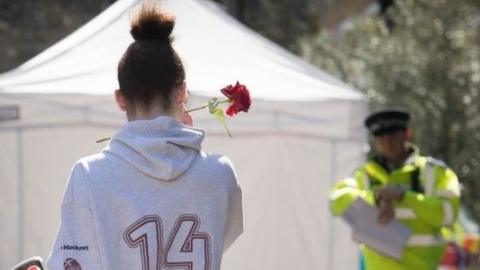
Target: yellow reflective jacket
(431, 203)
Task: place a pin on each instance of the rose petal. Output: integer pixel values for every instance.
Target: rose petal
(231, 110)
(239, 98)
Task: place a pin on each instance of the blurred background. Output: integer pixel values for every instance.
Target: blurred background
(423, 55)
(420, 54)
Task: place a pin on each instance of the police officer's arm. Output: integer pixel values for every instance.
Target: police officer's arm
(346, 191)
(440, 208)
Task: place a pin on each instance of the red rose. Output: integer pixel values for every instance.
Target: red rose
(239, 98)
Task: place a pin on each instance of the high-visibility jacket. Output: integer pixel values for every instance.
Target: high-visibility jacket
(431, 202)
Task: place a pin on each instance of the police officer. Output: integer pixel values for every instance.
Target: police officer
(420, 192)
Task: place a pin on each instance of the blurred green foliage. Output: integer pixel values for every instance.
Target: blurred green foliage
(29, 26)
(429, 63)
(283, 21)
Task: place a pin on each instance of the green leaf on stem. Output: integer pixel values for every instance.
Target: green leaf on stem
(212, 105)
(218, 113)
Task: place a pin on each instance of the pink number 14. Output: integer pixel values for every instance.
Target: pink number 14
(186, 247)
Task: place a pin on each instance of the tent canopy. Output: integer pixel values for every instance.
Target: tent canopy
(215, 48)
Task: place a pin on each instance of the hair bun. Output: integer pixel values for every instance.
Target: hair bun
(151, 24)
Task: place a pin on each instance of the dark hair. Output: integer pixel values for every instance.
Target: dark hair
(150, 68)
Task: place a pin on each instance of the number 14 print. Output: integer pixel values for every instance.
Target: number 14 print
(186, 247)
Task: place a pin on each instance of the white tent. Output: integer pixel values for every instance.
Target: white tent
(303, 132)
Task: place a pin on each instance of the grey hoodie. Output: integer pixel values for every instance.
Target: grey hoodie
(150, 200)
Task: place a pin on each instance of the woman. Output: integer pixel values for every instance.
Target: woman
(151, 199)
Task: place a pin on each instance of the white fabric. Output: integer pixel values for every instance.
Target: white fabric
(116, 212)
(365, 180)
(430, 180)
(447, 194)
(160, 148)
(448, 214)
(423, 240)
(404, 213)
(350, 182)
(303, 132)
(216, 50)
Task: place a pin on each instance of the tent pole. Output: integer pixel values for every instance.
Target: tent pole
(20, 196)
(331, 226)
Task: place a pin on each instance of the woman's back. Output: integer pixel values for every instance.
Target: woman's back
(150, 200)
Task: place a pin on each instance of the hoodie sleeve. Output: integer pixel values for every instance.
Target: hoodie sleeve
(235, 208)
(76, 242)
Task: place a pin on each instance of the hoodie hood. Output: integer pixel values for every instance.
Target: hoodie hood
(162, 148)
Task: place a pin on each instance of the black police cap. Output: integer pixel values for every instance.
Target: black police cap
(385, 121)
